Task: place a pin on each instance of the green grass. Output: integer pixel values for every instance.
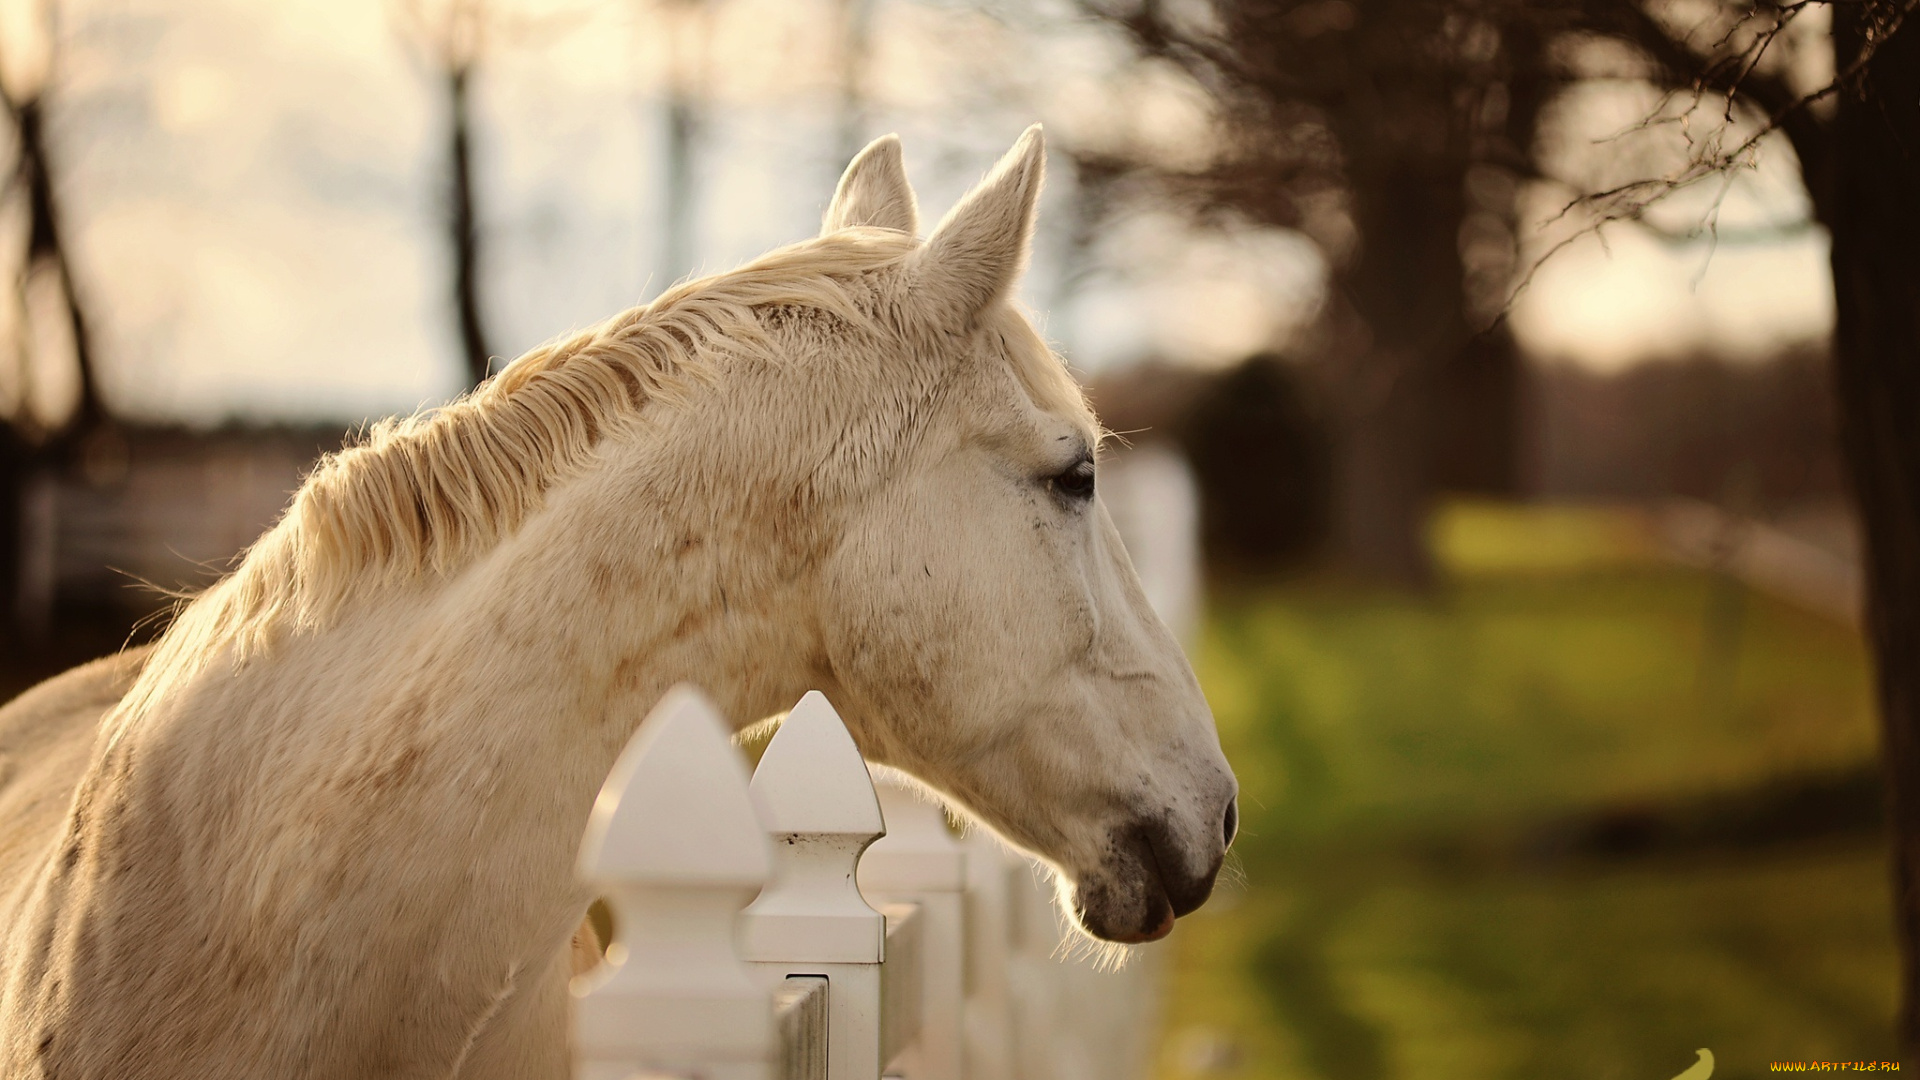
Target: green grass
(1560, 672)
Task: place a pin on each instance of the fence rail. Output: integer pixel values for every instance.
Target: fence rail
(806, 922)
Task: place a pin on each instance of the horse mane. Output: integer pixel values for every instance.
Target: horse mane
(431, 492)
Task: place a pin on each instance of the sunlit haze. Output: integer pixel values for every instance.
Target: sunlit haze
(254, 192)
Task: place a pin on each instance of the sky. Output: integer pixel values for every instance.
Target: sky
(253, 195)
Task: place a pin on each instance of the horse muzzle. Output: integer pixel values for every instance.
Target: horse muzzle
(1147, 880)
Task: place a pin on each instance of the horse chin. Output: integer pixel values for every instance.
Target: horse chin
(1143, 888)
(1129, 916)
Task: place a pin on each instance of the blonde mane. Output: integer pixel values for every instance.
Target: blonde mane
(431, 492)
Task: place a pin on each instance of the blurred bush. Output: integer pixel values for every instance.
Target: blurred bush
(1261, 458)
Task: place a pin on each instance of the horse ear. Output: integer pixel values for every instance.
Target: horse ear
(873, 191)
(980, 249)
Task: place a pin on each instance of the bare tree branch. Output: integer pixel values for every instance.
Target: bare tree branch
(1736, 78)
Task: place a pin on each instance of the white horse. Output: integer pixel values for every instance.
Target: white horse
(326, 826)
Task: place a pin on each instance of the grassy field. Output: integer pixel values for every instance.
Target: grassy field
(1574, 815)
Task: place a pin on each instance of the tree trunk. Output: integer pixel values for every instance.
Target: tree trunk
(1381, 477)
(1874, 215)
(1406, 290)
(1477, 417)
(46, 246)
(463, 227)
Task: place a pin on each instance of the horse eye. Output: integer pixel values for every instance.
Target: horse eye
(1077, 482)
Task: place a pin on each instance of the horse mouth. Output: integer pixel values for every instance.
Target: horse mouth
(1128, 915)
(1143, 888)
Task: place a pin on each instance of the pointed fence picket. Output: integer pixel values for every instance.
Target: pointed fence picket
(676, 847)
(820, 809)
(875, 943)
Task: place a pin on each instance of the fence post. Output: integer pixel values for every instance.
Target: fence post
(919, 862)
(819, 806)
(675, 846)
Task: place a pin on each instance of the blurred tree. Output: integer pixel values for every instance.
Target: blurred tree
(451, 36)
(1394, 132)
(50, 317)
(51, 325)
(45, 266)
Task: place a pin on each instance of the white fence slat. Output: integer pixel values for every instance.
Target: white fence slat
(920, 862)
(819, 807)
(902, 981)
(988, 1012)
(800, 1007)
(676, 847)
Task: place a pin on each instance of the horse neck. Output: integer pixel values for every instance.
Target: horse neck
(596, 608)
(435, 750)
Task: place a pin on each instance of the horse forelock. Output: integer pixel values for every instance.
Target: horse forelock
(429, 493)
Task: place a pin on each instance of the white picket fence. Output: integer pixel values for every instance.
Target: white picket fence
(807, 923)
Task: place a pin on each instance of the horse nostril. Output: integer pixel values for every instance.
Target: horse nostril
(1232, 824)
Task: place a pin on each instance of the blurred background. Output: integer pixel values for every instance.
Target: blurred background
(1470, 361)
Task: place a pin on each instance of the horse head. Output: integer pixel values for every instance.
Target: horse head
(983, 627)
